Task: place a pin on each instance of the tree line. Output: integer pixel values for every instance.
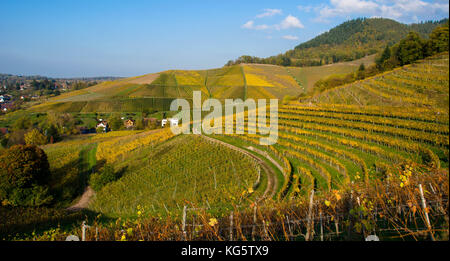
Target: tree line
(410, 49)
(349, 41)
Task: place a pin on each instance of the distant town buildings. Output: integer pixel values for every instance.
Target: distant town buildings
(5, 98)
(7, 107)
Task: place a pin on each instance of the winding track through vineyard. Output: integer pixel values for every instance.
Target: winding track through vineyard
(272, 181)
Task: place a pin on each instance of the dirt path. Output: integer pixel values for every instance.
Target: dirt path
(144, 79)
(84, 200)
(272, 181)
(267, 156)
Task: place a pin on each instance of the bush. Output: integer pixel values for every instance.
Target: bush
(16, 137)
(116, 123)
(35, 137)
(288, 98)
(24, 174)
(98, 180)
(52, 133)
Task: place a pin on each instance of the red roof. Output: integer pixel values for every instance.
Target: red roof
(7, 106)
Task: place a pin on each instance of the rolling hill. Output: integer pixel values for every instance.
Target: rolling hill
(156, 91)
(348, 41)
(421, 84)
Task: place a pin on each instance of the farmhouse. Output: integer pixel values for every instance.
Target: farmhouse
(129, 123)
(104, 125)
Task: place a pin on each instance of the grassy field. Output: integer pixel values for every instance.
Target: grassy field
(308, 76)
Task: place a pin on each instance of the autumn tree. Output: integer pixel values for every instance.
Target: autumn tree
(385, 55)
(115, 122)
(410, 49)
(360, 74)
(63, 122)
(438, 41)
(139, 124)
(24, 175)
(35, 137)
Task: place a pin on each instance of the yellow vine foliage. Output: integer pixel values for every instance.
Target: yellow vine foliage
(111, 150)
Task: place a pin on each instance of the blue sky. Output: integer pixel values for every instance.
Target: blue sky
(83, 38)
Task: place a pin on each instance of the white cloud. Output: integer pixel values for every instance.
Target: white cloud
(248, 25)
(251, 25)
(405, 10)
(269, 13)
(305, 8)
(290, 37)
(289, 22)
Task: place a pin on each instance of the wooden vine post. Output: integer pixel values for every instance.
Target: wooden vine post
(425, 210)
(309, 228)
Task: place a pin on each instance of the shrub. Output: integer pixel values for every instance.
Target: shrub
(16, 137)
(116, 123)
(288, 98)
(99, 180)
(52, 133)
(24, 173)
(35, 137)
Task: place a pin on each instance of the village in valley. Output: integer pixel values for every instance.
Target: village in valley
(18, 91)
(149, 123)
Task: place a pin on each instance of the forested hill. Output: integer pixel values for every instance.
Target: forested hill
(349, 41)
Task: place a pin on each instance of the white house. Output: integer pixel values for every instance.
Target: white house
(104, 125)
(173, 122)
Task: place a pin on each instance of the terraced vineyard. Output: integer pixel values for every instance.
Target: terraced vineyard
(181, 171)
(422, 84)
(331, 145)
(268, 81)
